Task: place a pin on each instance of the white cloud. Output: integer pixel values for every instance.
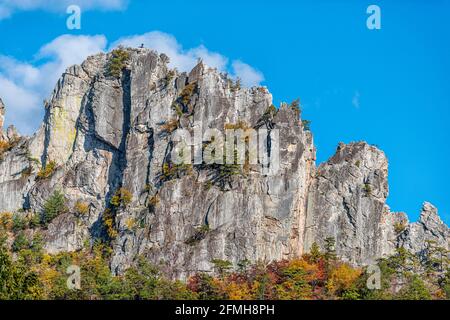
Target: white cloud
(21, 97)
(355, 99)
(183, 60)
(8, 7)
(24, 85)
(248, 75)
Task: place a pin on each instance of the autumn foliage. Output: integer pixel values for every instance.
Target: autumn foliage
(33, 274)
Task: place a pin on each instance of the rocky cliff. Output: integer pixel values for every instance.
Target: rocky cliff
(103, 134)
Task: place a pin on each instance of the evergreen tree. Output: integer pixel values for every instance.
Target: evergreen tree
(53, 207)
(414, 290)
(315, 253)
(330, 251)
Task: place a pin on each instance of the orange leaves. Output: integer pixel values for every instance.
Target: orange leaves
(342, 278)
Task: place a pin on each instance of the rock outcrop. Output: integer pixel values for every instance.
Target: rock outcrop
(347, 203)
(105, 134)
(416, 236)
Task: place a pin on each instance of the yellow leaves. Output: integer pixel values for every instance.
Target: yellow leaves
(399, 227)
(80, 207)
(108, 222)
(235, 126)
(122, 197)
(6, 220)
(296, 275)
(48, 275)
(47, 259)
(238, 291)
(6, 146)
(342, 278)
(130, 223)
(309, 269)
(187, 93)
(48, 170)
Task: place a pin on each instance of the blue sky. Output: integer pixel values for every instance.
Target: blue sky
(390, 87)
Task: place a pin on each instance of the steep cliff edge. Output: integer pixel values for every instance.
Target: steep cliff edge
(103, 134)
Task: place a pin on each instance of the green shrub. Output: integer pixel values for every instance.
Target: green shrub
(47, 171)
(34, 221)
(81, 208)
(295, 105)
(169, 77)
(414, 290)
(17, 281)
(222, 267)
(187, 93)
(236, 126)
(306, 125)
(108, 219)
(181, 104)
(235, 85)
(174, 171)
(18, 223)
(199, 235)
(314, 253)
(122, 198)
(367, 189)
(118, 62)
(330, 250)
(53, 207)
(20, 242)
(446, 284)
(270, 112)
(399, 227)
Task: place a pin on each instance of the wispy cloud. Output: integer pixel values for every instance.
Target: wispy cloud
(186, 59)
(183, 60)
(355, 99)
(24, 85)
(249, 75)
(9, 7)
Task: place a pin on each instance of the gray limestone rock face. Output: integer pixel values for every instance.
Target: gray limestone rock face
(430, 227)
(347, 203)
(2, 120)
(15, 179)
(256, 217)
(106, 133)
